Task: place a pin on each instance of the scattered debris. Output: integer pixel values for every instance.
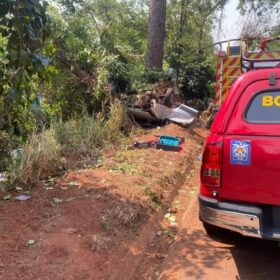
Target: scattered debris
(57, 200)
(30, 242)
(173, 210)
(164, 142)
(170, 143)
(159, 233)
(71, 231)
(164, 93)
(99, 162)
(182, 115)
(73, 184)
(161, 256)
(48, 182)
(145, 145)
(3, 177)
(170, 217)
(173, 225)
(7, 197)
(49, 188)
(22, 197)
(161, 106)
(70, 199)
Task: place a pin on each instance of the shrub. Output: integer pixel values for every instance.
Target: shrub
(7, 144)
(85, 135)
(115, 123)
(39, 157)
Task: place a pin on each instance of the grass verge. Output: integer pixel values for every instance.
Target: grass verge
(41, 155)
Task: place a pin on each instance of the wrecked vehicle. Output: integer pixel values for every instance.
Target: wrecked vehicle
(160, 107)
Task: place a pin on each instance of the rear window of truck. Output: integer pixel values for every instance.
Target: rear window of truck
(264, 107)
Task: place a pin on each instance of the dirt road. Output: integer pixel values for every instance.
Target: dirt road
(230, 256)
(134, 217)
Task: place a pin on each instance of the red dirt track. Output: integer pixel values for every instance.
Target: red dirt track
(105, 223)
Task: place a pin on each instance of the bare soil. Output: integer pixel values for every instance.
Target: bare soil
(188, 253)
(97, 223)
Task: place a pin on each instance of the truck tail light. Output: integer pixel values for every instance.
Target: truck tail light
(211, 170)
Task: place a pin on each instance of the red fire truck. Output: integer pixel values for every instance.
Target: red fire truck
(239, 58)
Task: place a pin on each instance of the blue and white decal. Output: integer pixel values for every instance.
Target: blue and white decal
(240, 152)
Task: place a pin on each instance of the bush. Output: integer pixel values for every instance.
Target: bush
(39, 157)
(152, 76)
(7, 144)
(115, 123)
(85, 135)
(196, 81)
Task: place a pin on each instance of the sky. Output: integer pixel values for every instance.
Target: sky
(231, 27)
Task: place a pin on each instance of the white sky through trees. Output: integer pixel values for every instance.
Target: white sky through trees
(231, 25)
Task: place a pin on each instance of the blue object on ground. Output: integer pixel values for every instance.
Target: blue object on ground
(169, 140)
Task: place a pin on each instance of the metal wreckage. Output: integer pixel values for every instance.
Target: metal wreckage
(161, 106)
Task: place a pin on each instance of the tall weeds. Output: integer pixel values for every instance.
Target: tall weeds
(39, 157)
(84, 136)
(87, 134)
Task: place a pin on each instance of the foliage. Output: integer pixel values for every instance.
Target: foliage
(86, 134)
(71, 60)
(41, 155)
(79, 55)
(189, 27)
(22, 29)
(259, 6)
(7, 144)
(153, 75)
(38, 158)
(196, 80)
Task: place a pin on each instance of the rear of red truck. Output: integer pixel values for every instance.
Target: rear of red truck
(240, 174)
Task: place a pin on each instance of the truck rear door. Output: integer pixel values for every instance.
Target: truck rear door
(251, 154)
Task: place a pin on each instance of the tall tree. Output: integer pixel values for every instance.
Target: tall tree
(156, 34)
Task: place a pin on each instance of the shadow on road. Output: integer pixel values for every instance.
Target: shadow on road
(255, 259)
(201, 257)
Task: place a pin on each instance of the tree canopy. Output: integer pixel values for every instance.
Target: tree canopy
(61, 58)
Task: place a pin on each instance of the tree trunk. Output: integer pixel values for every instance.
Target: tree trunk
(156, 34)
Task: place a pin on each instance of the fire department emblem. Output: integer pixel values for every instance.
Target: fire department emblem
(240, 152)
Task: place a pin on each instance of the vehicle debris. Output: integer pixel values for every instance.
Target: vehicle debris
(22, 197)
(160, 107)
(163, 142)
